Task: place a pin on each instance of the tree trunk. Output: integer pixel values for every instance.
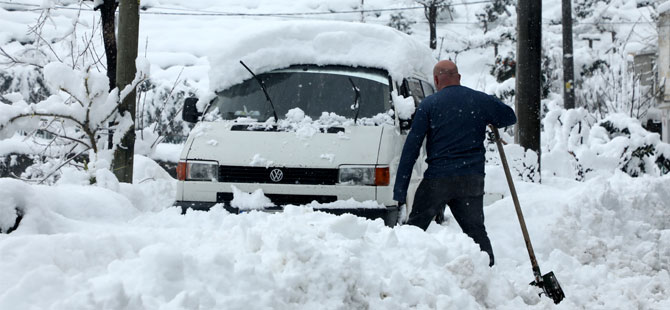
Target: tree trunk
(107, 13)
(431, 15)
(568, 59)
(528, 74)
(129, 20)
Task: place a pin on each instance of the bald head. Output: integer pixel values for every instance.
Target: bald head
(445, 73)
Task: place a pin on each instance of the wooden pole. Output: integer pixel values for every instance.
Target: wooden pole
(568, 59)
(128, 33)
(528, 74)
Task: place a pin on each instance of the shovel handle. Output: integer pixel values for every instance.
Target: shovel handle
(517, 206)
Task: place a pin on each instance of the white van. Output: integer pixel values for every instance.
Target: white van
(307, 112)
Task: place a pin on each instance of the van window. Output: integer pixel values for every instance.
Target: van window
(415, 90)
(312, 89)
(427, 88)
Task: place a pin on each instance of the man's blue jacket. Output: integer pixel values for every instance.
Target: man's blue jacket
(454, 121)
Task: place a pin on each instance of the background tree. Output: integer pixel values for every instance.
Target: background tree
(400, 22)
(107, 10)
(497, 21)
(430, 10)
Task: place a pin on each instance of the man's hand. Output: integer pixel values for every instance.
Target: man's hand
(402, 212)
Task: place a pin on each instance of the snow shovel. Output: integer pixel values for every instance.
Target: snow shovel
(547, 282)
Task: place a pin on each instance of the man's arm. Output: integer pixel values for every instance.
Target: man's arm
(410, 152)
(500, 114)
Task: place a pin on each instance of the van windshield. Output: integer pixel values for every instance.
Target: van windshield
(313, 89)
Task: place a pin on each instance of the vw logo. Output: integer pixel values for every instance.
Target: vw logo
(276, 175)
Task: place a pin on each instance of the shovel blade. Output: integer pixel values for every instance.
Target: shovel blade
(550, 287)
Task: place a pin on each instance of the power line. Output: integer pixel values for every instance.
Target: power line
(295, 15)
(220, 13)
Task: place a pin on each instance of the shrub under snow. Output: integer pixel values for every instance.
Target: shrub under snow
(578, 145)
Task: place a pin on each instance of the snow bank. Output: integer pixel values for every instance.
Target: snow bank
(606, 240)
(274, 45)
(58, 209)
(295, 260)
(48, 209)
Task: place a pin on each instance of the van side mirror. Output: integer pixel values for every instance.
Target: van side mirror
(190, 112)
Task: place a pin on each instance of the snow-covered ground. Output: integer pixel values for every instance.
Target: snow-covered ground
(122, 246)
(86, 247)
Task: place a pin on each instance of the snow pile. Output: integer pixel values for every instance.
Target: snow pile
(302, 125)
(250, 201)
(57, 209)
(212, 260)
(606, 240)
(347, 204)
(405, 107)
(275, 45)
(69, 203)
(617, 228)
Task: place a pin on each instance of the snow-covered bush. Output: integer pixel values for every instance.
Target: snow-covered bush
(159, 110)
(609, 85)
(28, 82)
(578, 145)
(504, 67)
(77, 118)
(523, 164)
(605, 75)
(496, 18)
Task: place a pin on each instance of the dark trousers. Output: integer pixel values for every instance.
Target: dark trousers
(465, 197)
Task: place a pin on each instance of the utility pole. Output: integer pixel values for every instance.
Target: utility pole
(362, 11)
(568, 59)
(528, 74)
(128, 33)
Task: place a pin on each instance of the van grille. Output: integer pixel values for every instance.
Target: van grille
(282, 200)
(309, 176)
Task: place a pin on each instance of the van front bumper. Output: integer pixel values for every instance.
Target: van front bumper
(389, 214)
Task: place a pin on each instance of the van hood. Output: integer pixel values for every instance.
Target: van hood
(234, 144)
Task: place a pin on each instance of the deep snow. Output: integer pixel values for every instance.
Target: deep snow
(88, 247)
(121, 246)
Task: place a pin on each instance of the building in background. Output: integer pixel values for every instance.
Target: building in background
(663, 67)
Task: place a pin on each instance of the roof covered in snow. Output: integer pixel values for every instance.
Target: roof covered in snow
(275, 45)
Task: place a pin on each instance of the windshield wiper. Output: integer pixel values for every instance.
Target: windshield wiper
(356, 97)
(260, 82)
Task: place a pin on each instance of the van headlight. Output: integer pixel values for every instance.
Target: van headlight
(364, 175)
(198, 171)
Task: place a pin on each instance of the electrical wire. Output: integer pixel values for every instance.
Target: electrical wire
(297, 15)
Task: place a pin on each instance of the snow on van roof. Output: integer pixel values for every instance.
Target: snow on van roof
(276, 45)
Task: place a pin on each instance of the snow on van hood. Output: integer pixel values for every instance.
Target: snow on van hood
(275, 45)
(296, 146)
